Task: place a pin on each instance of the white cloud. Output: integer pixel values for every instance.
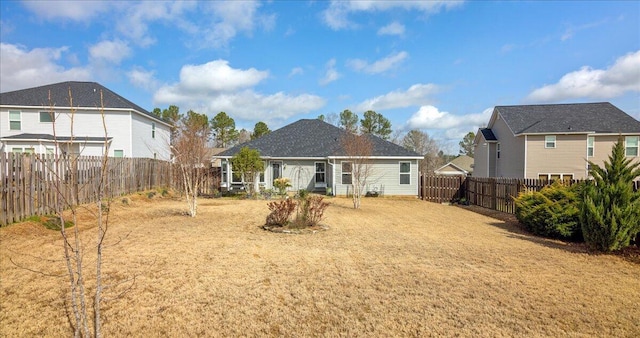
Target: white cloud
(215, 86)
(296, 71)
(417, 95)
(331, 73)
(134, 19)
(71, 10)
(233, 17)
(113, 51)
(379, 66)
(455, 126)
(393, 28)
(623, 76)
(22, 68)
(336, 16)
(142, 78)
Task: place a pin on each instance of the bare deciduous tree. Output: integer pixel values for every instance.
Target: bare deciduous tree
(64, 180)
(357, 150)
(421, 143)
(191, 156)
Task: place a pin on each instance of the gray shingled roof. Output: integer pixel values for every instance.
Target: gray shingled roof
(50, 137)
(488, 134)
(85, 94)
(312, 138)
(600, 117)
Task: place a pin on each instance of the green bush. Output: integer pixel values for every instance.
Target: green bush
(610, 209)
(552, 212)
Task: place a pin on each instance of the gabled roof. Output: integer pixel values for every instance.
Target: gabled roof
(488, 134)
(600, 117)
(84, 94)
(312, 138)
(463, 163)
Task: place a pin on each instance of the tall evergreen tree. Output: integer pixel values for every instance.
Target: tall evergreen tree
(260, 129)
(610, 209)
(349, 120)
(466, 145)
(224, 130)
(376, 124)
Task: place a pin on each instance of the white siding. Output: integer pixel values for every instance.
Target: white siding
(143, 142)
(88, 123)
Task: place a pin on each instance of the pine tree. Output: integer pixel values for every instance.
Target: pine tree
(610, 209)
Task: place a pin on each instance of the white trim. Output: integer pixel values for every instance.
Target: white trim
(637, 146)
(9, 120)
(593, 146)
(400, 173)
(349, 172)
(526, 151)
(315, 182)
(561, 175)
(51, 113)
(78, 140)
(555, 140)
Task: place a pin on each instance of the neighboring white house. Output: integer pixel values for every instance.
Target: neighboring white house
(27, 122)
(310, 154)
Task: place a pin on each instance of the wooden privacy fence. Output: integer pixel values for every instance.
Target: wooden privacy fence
(495, 193)
(442, 189)
(34, 184)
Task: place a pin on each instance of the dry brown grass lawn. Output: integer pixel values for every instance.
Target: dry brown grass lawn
(393, 268)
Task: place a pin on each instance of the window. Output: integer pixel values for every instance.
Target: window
(15, 120)
(405, 172)
(631, 145)
(261, 178)
(49, 151)
(555, 177)
(347, 168)
(320, 172)
(153, 130)
(590, 140)
(16, 150)
(498, 150)
(550, 141)
(225, 169)
(29, 150)
(46, 116)
(118, 153)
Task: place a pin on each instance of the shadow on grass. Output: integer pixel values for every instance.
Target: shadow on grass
(510, 223)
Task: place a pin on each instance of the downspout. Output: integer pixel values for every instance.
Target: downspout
(333, 176)
(525, 155)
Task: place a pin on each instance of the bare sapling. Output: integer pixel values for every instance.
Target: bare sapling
(357, 151)
(189, 150)
(63, 169)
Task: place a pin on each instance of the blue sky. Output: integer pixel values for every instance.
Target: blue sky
(438, 66)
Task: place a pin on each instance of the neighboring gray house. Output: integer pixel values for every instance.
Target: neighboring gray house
(27, 115)
(310, 154)
(552, 141)
(459, 166)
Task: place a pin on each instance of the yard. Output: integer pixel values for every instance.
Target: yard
(397, 267)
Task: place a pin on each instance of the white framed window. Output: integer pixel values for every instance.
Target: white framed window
(550, 141)
(49, 151)
(153, 130)
(346, 172)
(321, 170)
(15, 120)
(261, 178)
(118, 153)
(555, 177)
(16, 150)
(405, 172)
(46, 117)
(29, 150)
(225, 169)
(590, 145)
(498, 150)
(631, 144)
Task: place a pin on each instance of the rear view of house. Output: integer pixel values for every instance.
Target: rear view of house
(310, 154)
(552, 141)
(27, 122)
